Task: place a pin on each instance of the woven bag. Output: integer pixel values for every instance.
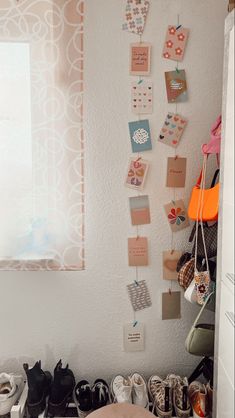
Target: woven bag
(186, 274)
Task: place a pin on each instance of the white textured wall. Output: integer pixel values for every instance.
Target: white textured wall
(79, 316)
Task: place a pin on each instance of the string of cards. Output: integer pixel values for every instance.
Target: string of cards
(135, 15)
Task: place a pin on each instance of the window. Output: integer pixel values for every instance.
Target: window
(41, 136)
(15, 146)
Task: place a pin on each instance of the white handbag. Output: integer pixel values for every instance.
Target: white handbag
(191, 293)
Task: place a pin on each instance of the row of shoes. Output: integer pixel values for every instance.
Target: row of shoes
(54, 394)
(172, 396)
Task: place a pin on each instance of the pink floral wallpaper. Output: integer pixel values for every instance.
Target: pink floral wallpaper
(54, 31)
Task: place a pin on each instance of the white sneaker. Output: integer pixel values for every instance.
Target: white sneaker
(11, 387)
(122, 389)
(140, 392)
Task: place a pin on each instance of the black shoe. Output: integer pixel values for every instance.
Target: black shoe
(82, 396)
(61, 390)
(39, 383)
(100, 394)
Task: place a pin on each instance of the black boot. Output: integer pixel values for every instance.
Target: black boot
(61, 390)
(39, 383)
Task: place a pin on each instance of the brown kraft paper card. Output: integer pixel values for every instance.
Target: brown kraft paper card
(176, 172)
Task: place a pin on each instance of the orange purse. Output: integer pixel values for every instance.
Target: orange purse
(209, 204)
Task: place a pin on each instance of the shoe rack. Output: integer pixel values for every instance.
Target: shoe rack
(19, 410)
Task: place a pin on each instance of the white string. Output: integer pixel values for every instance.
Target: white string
(200, 216)
(175, 154)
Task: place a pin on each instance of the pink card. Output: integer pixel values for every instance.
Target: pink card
(142, 97)
(172, 130)
(175, 43)
(140, 213)
(135, 16)
(140, 59)
(177, 215)
(138, 251)
(137, 173)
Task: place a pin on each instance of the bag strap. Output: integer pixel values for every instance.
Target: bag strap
(215, 178)
(202, 309)
(192, 235)
(199, 216)
(199, 180)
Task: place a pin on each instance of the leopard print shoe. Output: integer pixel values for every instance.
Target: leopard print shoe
(180, 395)
(160, 392)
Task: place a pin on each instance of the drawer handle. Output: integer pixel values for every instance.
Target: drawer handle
(231, 278)
(231, 318)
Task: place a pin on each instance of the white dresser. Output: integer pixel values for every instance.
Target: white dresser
(225, 319)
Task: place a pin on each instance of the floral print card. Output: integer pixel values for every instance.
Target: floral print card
(137, 173)
(175, 43)
(135, 15)
(140, 135)
(176, 86)
(172, 130)
(140, 59)
(142, 97)
(177, 215)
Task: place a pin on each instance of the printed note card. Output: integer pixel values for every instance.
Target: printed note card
(172, 129)
(134, 337)
(142, 97)
(138, 251)
(140, 135)
(171, 305)
(176, 86)
(140, 59)
(170, 261)
(139, 295)
(137, 172)
(175, 43)
(140, 213)
(176, 172)
(177, 215)
(135, 16)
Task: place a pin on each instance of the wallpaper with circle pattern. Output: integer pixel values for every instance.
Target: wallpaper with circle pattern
(54, 31)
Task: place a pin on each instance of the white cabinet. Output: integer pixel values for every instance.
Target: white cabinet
(225, 319)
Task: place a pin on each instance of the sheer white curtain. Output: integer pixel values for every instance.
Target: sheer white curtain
(41, 135)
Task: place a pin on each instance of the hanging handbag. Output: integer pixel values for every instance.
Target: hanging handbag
(211, 234)
(202, 278)
(210, 207)
(183, 259)
(200, 340)
(186, 274)
(191, 293)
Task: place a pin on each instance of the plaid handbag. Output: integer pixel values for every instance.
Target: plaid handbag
(186, 274)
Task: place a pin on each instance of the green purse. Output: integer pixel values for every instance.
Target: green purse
(200, 340)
